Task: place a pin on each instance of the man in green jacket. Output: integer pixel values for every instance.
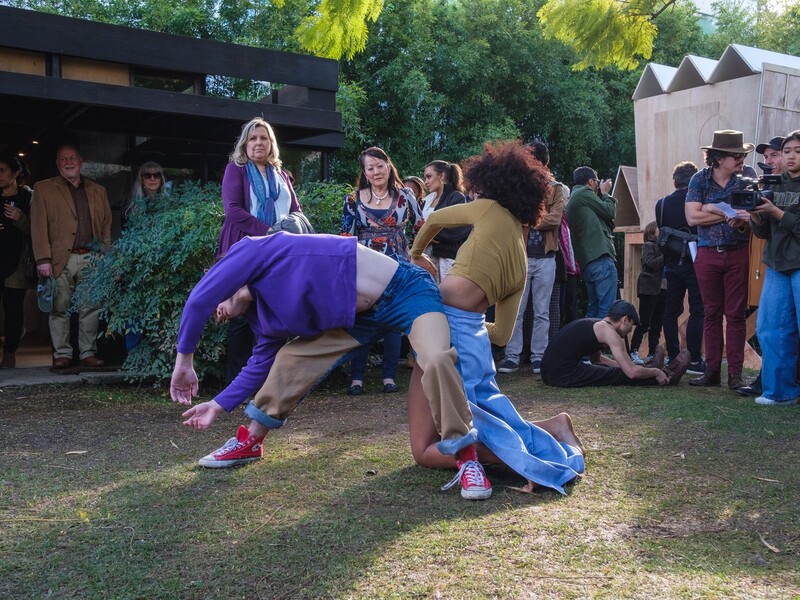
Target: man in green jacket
(590, 214)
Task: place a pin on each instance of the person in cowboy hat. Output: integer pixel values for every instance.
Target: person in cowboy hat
(722, 254)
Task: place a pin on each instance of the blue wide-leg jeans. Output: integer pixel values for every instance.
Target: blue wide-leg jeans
(777, 328)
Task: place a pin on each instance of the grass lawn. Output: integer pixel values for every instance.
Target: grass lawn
(689, 493)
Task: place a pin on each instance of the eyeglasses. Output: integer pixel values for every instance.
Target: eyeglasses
(155, 175)
(736, 155)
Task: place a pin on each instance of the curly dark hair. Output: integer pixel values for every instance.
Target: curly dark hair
(510, 174)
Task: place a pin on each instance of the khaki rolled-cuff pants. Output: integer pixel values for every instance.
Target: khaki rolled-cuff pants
(303, 363)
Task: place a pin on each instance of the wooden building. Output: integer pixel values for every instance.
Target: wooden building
(130, 95)
(126, 96)
(677, 110)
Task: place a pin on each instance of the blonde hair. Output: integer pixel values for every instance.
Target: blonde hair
(239, 154)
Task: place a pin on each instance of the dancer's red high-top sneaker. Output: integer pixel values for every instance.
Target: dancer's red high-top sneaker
(243, 448)
(474, 483)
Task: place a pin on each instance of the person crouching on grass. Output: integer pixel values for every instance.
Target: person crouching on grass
(333, 296)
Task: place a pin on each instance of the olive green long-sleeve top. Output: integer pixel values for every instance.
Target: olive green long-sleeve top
(493, 257)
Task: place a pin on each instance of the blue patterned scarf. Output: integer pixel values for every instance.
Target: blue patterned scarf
(265, 212)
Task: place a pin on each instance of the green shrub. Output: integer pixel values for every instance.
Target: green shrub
(322, 203)
(143, 281)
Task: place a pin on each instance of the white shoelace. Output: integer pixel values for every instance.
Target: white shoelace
(473, 472)
(229, 445)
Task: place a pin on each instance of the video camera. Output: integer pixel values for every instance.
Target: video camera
(749, 193)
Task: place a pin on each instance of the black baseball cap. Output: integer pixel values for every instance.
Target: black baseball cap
(775, 143)
(623, 308)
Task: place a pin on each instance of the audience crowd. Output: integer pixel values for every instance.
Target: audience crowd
(49, 234)
(430, 258)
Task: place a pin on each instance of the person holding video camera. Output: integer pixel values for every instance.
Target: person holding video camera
(772, 165)
(777, 220)
(723, 253)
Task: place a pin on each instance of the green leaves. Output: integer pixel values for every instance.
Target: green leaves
(322, 203)
(604, 33)
(338, 28)
(143, 281)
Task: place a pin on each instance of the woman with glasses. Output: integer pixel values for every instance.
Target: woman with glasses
(148, 187)
(148, 184)
(257, 193)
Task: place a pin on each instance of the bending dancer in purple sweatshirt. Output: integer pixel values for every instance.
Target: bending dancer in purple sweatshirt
(332, 296)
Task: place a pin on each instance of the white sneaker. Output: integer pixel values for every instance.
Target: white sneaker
(764, 401)
(635, 358)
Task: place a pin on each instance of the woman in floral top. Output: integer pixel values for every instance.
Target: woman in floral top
(378, 213)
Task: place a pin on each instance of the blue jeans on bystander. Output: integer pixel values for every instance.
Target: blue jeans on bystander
(778, 328)
(600, 277)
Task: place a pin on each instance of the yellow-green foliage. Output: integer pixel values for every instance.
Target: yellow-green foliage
(604, 33)
(338, 27)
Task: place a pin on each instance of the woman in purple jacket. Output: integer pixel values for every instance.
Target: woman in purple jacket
(256, 194)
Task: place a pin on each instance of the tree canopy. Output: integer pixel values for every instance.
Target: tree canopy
(438, 78)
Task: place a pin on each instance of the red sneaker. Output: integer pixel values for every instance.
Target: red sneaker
(474, 483)
(244, 448)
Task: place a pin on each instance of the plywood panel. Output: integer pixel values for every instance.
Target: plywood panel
(95, 71)
(777, 121)
(793, 93)
(779, 116)
(20, 61)
(671, 128)
(633, 266)
(775, 87)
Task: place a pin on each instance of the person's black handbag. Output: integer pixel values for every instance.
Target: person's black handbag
(674, 242)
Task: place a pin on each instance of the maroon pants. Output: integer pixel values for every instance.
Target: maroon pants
(722, 277)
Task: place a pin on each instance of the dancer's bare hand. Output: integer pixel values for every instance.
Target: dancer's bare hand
(426, 263)
(202, 415)
(184, 385)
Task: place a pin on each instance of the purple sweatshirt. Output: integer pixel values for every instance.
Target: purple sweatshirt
(301, 285)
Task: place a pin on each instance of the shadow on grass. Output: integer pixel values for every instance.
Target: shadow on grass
(680, 485)
(134, 516)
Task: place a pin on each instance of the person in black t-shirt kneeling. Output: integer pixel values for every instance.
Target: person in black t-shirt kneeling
(563, 366)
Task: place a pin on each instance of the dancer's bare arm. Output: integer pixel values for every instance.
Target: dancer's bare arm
(608, 336)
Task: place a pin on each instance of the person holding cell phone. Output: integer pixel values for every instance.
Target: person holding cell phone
(15, 231)
(591, 212)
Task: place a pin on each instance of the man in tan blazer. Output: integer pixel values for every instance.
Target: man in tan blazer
(69, 215)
